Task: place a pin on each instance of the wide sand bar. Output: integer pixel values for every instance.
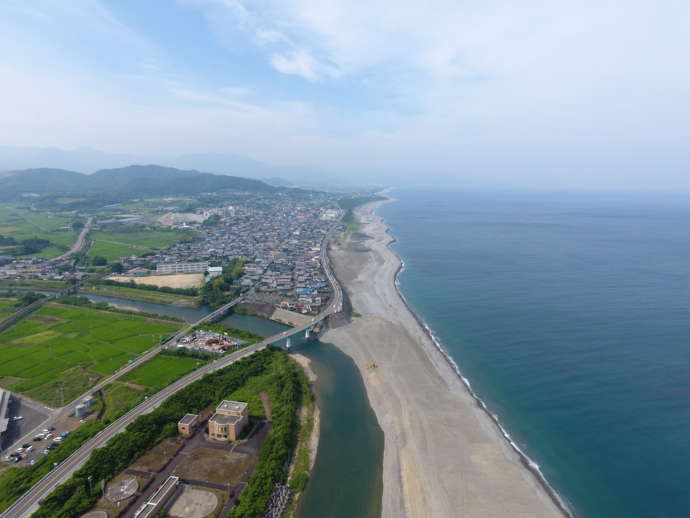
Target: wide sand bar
(443, 456)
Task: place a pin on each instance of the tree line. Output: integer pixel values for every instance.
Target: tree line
(81, 491)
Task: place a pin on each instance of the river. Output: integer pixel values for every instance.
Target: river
(347, 476)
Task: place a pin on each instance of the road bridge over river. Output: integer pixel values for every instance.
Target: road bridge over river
(28, 503)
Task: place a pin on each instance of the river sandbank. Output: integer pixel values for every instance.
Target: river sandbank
(443, 455)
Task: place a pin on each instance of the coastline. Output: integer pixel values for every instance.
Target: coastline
(467, 467)
(527, 462)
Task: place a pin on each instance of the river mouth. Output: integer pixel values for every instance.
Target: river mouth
(347, 477)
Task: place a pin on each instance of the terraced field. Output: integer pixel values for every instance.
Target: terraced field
(60, 351)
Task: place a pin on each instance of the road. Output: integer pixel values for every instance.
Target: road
(28, 503)
(78, 244)
(57, 414)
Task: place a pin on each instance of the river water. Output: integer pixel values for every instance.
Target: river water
(347, 477)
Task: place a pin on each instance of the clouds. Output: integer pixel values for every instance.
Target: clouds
(536, 93)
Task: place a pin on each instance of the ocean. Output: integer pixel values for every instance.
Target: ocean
(569, 314)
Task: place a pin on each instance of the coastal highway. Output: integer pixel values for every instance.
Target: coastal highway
(28, 503)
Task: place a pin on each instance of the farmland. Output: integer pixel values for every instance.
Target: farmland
(21, 224)
(7, 307)
(114, 245)
(59, 351)
(161, 371)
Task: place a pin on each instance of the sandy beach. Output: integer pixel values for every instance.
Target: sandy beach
(443, 456)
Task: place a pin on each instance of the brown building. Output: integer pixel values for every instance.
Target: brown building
(228, 421)
(187, 425)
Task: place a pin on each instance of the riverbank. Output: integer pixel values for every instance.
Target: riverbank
(444, 455)
(305, 451)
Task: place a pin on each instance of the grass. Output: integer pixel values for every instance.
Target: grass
(23, 224)
(300, 472)
(250, 392)
(158, 297)
(33, 283)
(68, 347)
(161, 371)
(7, 307)
(119, 398)
(115, 245)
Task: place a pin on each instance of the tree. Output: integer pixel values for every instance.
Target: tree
(117, 268)
(99, 260)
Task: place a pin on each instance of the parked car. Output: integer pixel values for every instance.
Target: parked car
(64, 434)
(29, 449)
(38, 438)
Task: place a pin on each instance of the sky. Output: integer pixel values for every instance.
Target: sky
(546, 94)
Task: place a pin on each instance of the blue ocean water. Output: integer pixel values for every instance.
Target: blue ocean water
(570, 316)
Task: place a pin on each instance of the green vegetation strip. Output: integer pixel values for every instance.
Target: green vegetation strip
(349, 205)
(138, 293)
(79, 494)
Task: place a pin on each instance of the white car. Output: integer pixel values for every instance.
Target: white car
(29, 449)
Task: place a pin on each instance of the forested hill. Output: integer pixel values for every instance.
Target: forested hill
(130, 181)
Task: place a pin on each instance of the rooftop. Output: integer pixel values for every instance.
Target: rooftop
(188, 419)
(225, 419)
(231, 406)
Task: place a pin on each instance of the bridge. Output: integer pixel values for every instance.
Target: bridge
(28, 503)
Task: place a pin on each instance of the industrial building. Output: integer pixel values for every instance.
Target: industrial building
(229, 420)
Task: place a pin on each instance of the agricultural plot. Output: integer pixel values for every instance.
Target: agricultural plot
(161, 371)
(23, 224)
(59, 351)
(7, 307)
(115, 245)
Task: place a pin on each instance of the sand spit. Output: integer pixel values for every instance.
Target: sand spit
(443, 456)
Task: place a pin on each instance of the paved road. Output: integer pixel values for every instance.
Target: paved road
(28, 503)
(57, 414)
(78, 244)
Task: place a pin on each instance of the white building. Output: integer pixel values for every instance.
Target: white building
(167, 268)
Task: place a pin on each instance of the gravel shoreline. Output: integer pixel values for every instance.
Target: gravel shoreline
(443, 456)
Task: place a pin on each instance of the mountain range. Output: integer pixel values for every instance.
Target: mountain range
(129, 181)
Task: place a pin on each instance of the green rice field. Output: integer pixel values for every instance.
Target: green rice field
(7, 307)
(161, 371)
(115, 245)
(23, 224)
(59, 351)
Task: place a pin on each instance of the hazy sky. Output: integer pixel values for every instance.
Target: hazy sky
(530, 93)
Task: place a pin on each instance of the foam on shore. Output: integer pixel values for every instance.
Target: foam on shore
(526, 461)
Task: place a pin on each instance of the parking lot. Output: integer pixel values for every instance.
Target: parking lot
(32, 414)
